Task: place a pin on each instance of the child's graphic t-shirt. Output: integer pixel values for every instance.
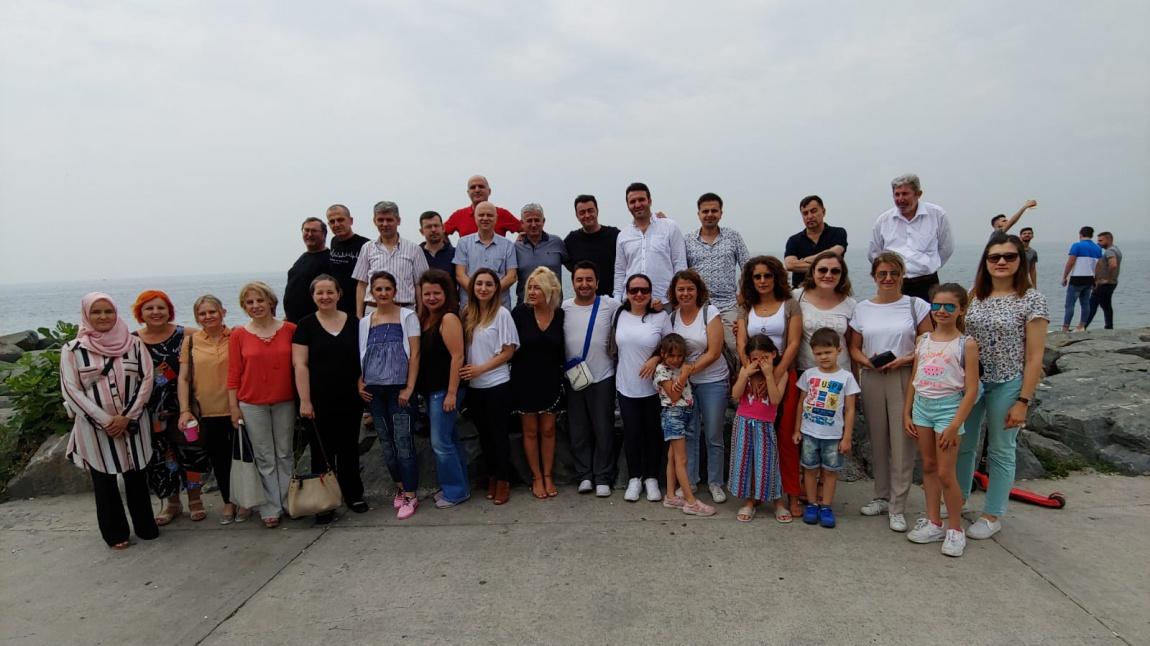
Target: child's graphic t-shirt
(824, 401)
(662, 373)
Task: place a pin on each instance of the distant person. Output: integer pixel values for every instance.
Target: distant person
(399, 257)
(315, 260)
(437, 249)
(594, 242)
(1078, 277)
(536, 248)
(916, 230)
(1026, 234)
(1001, 223)
(815, 238)
(485, 250)
(1105, 279)
(345, 247)
(718, 255)
(462, 221)
(650, 246)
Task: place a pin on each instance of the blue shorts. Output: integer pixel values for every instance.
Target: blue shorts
(936, 414)
(676, 420)
(817, 452)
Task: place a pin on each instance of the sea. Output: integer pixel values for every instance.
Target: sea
(28, 306)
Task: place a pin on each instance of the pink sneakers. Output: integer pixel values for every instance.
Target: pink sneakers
(700, 508)
(407, 509)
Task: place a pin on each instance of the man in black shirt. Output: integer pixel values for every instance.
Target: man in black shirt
(814, 239)
(438, 250)
(345, 245)
(594, 242)
(313, 262)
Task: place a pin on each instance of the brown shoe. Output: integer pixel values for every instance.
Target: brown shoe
(502, 492)
(491, 488)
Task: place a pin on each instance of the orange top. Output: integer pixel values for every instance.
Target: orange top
(261, 371)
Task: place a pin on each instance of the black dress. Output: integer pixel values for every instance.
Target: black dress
(537, 366)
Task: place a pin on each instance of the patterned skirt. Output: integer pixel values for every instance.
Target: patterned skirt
(754, 472)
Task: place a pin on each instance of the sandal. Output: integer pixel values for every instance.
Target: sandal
(170, 512)
(549, 486)
(746, 514)
(783, 515)
(491, 488)
(120, 546)
(243, 514)
(537, 489)
(229, 515)
(502, 492)
(196, 509)
(272, 523)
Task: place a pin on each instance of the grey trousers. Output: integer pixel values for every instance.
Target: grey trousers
(271, 428)
(892, 450)
(591, 425)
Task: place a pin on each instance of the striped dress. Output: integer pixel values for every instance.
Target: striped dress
(96, 388)
(754, 472)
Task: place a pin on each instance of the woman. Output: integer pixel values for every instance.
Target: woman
(700, 324)
(203, 394)
(634, 341)
(882, 344)
(179, 462)
(106, 379)
(325, 356)
(261, 395)
(1008, 319)
(389, 352)
(441, 352)
(769, 309)
(537, 374)
(825, 300)
(491, 341)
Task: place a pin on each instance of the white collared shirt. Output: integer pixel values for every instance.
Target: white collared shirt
(924, 241)
(658, 252)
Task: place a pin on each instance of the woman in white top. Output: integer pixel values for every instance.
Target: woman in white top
(491, 340)
(701, 326)
(825, 299)
(883, 346)
(634, 340)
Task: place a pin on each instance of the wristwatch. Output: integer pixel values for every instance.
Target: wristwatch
(1024, 400)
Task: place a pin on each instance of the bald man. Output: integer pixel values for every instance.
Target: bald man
(463, 220)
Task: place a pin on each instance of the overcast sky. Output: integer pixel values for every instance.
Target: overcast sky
(165, 138)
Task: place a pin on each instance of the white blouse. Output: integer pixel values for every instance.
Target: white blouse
(488, 341)
(637, 340)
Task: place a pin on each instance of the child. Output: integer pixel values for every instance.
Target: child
(754, 454)
(678, 406)
(938, 400)
(825, 419)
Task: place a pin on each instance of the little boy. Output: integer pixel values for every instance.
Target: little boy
(824, 422)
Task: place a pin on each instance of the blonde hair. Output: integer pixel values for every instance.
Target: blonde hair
(545, 279)
(262, 289)
(207, 298)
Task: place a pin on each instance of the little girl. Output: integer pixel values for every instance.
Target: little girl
(938, 400)
(754, 453)
(678, 407)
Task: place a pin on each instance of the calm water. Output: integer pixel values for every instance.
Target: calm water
(29, 306)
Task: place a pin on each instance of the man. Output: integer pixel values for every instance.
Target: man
(651, 246)
(401, 258)
(437, 249)
(916, 230)
(1026, 235)
(1105, 279)
(591, 411)
(593, 242)
(1078, 277)
(815, 238)
(345, 247)
(718, 254)
(1000, 223)
(314, 261)
(535, 248)
(485, 249)
(462, 221)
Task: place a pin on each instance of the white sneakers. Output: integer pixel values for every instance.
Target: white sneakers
(585, 486)
(717, 494)
(983, 528)
(653, 493)
(603, 491)
(634, 487)
(926, 532)
(876, 507)
(897, 523)
(955, 543)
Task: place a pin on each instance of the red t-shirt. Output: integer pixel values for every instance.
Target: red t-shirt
(463, 222)
(260, 372)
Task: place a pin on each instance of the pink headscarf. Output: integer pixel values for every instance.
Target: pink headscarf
(112, 343)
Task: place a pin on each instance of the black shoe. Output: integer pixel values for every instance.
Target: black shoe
(325, 518)
(358, 507)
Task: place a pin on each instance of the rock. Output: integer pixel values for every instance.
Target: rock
(1047, 449)
(26, 340)
(1100, 362)
(10, 352)
(1026, 465)
(49, 473)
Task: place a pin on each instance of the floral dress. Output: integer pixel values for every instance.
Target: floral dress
(172, 455)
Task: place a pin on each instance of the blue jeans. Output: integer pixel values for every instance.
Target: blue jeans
(393, 426)
(710, 411)
(1080, 293)
(450, 466)
(993, 405)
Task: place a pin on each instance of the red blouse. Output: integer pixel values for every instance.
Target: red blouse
(261, 371)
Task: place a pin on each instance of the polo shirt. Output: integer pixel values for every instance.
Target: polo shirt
(462, 222)
(443, 259)
(1086, 254)
(550, 253)
(498, 255)
(801, 246)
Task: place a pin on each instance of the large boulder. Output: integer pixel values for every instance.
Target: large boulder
(26, 340)
(49, 473)
(10, 352)
(1072, 361)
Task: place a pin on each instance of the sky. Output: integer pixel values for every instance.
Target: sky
(190, 137)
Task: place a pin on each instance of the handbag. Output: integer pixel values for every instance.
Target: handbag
(311, 494)
(576, 370)
(247, 487)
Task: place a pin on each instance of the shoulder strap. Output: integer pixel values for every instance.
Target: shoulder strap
(590, 327)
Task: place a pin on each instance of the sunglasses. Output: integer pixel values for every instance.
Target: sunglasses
(834, 271)
(635, 291)
(949, 308)
(888, 274)
(996, 258)
(762, 276)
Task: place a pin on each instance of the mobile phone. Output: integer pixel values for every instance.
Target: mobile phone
(881, 359)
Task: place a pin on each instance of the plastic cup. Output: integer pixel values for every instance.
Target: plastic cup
(192, 431)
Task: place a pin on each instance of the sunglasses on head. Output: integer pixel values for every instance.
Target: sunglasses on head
(635, 291)
(950, 308)
(834, 271)
(995, 258)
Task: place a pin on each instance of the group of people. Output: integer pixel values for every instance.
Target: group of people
(670, 328)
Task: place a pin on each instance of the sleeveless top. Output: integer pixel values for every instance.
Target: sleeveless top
(752, 407)
(434, 362)
(165, 373)
(940, 371)
(774, 326)
(385, 362)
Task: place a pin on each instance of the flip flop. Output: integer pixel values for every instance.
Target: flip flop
(783, 515)
(120, 546)
(745, 514)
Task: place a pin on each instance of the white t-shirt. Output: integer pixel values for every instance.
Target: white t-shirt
(486, 342)
(696, 336)
(774, 326)
(637, 341)
(837, 318)
(824, 401)
(575, 319)
(889, 326)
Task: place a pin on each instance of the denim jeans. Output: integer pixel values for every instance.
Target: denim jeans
(992, 406)
(1081, 294)
(450, 466)
(710, 412)
(393, 426)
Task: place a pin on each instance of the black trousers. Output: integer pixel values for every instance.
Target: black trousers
(1103, 296)
(110, 509)
(216, 433)
(490, 409)
(920, 286)
(338, 424)
(591, 425)
(642, 436)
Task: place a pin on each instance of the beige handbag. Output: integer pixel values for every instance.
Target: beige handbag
(311, 494)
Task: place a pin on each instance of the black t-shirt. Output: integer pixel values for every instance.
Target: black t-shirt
(297, 292)
(344, 254)
(599, 248)
(332, 360)
(800, 246)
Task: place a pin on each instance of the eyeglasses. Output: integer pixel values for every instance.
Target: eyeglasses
(636, 291)
(950, 308)
(834, 271)
(762, 276)
(996, 258)
(888, 274)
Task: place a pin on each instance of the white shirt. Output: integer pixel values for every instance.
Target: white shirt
(774, 325)
(889, 326)
(575, 320)
(924, 241)
(658, 252)
(406, 262)
(695, 335)
(486, 342)
(836, 318)
(637, 341)
(824, 399)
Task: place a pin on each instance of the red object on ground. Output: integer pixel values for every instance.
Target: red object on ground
(1056, 500)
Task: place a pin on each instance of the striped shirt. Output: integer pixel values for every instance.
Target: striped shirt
(96, 389)
(406, 262)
